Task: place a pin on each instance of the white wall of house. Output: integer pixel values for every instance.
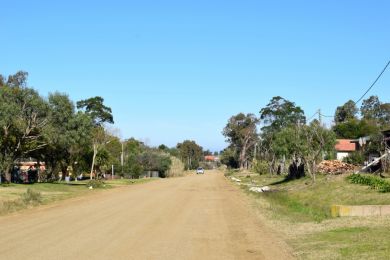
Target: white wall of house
(341, 155)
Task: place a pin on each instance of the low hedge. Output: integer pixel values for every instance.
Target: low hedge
(374, 182)
(96, 184)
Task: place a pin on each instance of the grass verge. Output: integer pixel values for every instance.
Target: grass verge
(300, 210)
(16, 197)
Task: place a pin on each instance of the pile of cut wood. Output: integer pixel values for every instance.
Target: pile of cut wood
(335, 167)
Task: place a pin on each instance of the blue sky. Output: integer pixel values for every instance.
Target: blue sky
(175, 70)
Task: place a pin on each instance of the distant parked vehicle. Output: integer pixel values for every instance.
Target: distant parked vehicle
(200, 170)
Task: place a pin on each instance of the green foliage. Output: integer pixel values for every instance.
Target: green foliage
(371, 108)
(374, 182)
(346, 112)
(280, 113)
(152, 160)
(97, 110)
(96, 184)
(354, 128)
(355, 158)
(19, 79)
(304, 144)
(23, 118)
(190, 153)
(68, 134)
(260, 167)
(229, 157)
(241, 133)
(133, 167)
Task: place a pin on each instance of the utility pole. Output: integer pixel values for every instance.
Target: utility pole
(122, 158)
(319, 116)
(112, 172)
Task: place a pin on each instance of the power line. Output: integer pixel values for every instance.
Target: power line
(312, 116)
(372, 85)
(365, 93)
(326, 116)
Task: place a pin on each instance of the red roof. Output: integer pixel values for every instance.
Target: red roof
(345, 145)
(209, 158)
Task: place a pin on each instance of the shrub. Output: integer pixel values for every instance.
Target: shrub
(31, 197)
(260, 167)
(372, 181)
(176, 169)
(96, 184)
(355, 158)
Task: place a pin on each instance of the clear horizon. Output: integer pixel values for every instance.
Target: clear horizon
(173, 71)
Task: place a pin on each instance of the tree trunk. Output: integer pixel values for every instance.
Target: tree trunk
(242, 158)
(7, 173)
(93, 160)
(64, 171)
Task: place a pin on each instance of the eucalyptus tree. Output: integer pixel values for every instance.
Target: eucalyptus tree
(346, 112)
(305, 146)
(67, 135)
(241, 134)
(277, 115)
(190, 153)
(100, 114)
(23, 118)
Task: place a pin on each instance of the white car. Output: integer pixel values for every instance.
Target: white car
(200, 170)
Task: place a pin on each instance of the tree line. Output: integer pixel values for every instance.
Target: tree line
(74, 137)
(280, 140)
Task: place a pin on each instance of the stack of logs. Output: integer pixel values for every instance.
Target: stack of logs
(335, 167)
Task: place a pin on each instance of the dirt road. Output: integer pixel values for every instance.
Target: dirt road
(194, 217)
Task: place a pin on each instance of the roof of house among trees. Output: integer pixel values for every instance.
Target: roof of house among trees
(345, 145)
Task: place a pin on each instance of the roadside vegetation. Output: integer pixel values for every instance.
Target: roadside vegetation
(275, 159)
(16, 197)
(301, 211)
(64, 139)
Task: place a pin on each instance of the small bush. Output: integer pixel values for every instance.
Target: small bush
(31, 197)
(260, 167)
(372, 181)
(96, 184)
(355, 158)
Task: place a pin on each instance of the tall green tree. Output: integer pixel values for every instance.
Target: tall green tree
(19, 79)
(371, 108)
(305, 146)
(155, 160)
(355, 128)
(280, 113)
(385, 115)
(241, 134)
(67, 134)
(23, 118)
(346, 112)
(2, 80)
(229, 157)
(190, 153)
(100, 114)
(95, 107)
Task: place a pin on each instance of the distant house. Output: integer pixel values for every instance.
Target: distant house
(344, 147)
(211, 158)
(27, 171)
